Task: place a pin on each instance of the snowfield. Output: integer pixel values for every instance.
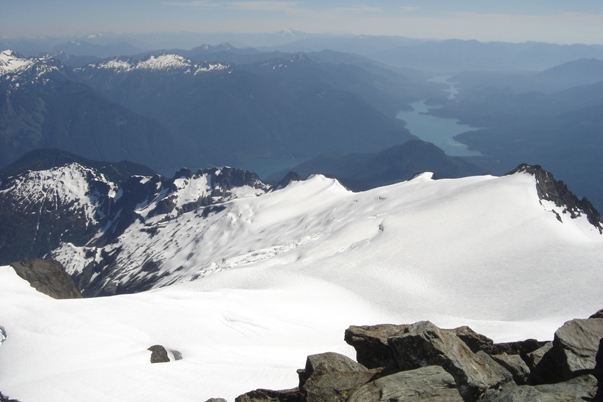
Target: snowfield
(251, 290)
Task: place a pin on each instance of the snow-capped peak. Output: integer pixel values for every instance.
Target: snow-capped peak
(17, 68)
(13, 63)
(162, 62)
(72, 186)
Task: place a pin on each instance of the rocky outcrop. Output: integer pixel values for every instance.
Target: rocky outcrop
(371, 346)
(573, 352)
(431, 383)
(332, 377)
(514, 365)
(421, 362)
(159, 354)
(48, 277)
(579, 389)
(266, 395)
(424, 344)
(557, 192)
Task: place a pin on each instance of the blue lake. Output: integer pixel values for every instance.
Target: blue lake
(436, 130)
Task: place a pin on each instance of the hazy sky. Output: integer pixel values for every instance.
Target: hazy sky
(557, 21)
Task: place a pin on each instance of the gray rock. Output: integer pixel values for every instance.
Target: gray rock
(332, 377)
(372, 349)
(521, 348)
(266, 395)
(3, 335)
(158, 354)
(423, 344)
(475, 341)
(496, 367)
(579, 389)
(573, 353)
(515, 365)
(599, 360)
(522, 393)
(371, 346)
(431, 383)
(582, 387)
(598, 314)
(533, 358)
(48, 277)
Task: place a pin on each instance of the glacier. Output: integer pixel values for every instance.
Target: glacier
(250, 289)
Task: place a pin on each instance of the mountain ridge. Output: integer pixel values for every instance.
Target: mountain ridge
(116, 237)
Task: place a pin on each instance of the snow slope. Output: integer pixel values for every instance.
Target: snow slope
(290, 270)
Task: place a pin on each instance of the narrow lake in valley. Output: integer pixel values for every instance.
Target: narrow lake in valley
(436, 130)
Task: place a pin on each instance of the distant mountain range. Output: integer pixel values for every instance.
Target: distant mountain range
(554, 118)
(363, 171)
(217, 105)
(42, 107)
(181, 112)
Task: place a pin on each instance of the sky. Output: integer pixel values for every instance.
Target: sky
(554, 21)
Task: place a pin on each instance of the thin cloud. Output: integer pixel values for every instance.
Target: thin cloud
(198, 4)
(285, 7)
(358, 9)
(264, 5)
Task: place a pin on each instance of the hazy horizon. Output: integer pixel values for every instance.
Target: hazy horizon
(556, 21)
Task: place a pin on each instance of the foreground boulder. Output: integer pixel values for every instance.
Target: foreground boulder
(514, 365)
(424, 344)
(583, 388)
(332, 377)
(370, 342)
(266, 395)
(573, 352)
(48, 277)
(421, 362)
(431, 383)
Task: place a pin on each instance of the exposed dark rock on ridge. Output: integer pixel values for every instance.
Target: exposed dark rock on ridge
(426, 363)
(48, 277)
(556, 191)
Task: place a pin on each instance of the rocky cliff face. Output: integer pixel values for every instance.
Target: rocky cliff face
(421, 362)
(48, 277)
